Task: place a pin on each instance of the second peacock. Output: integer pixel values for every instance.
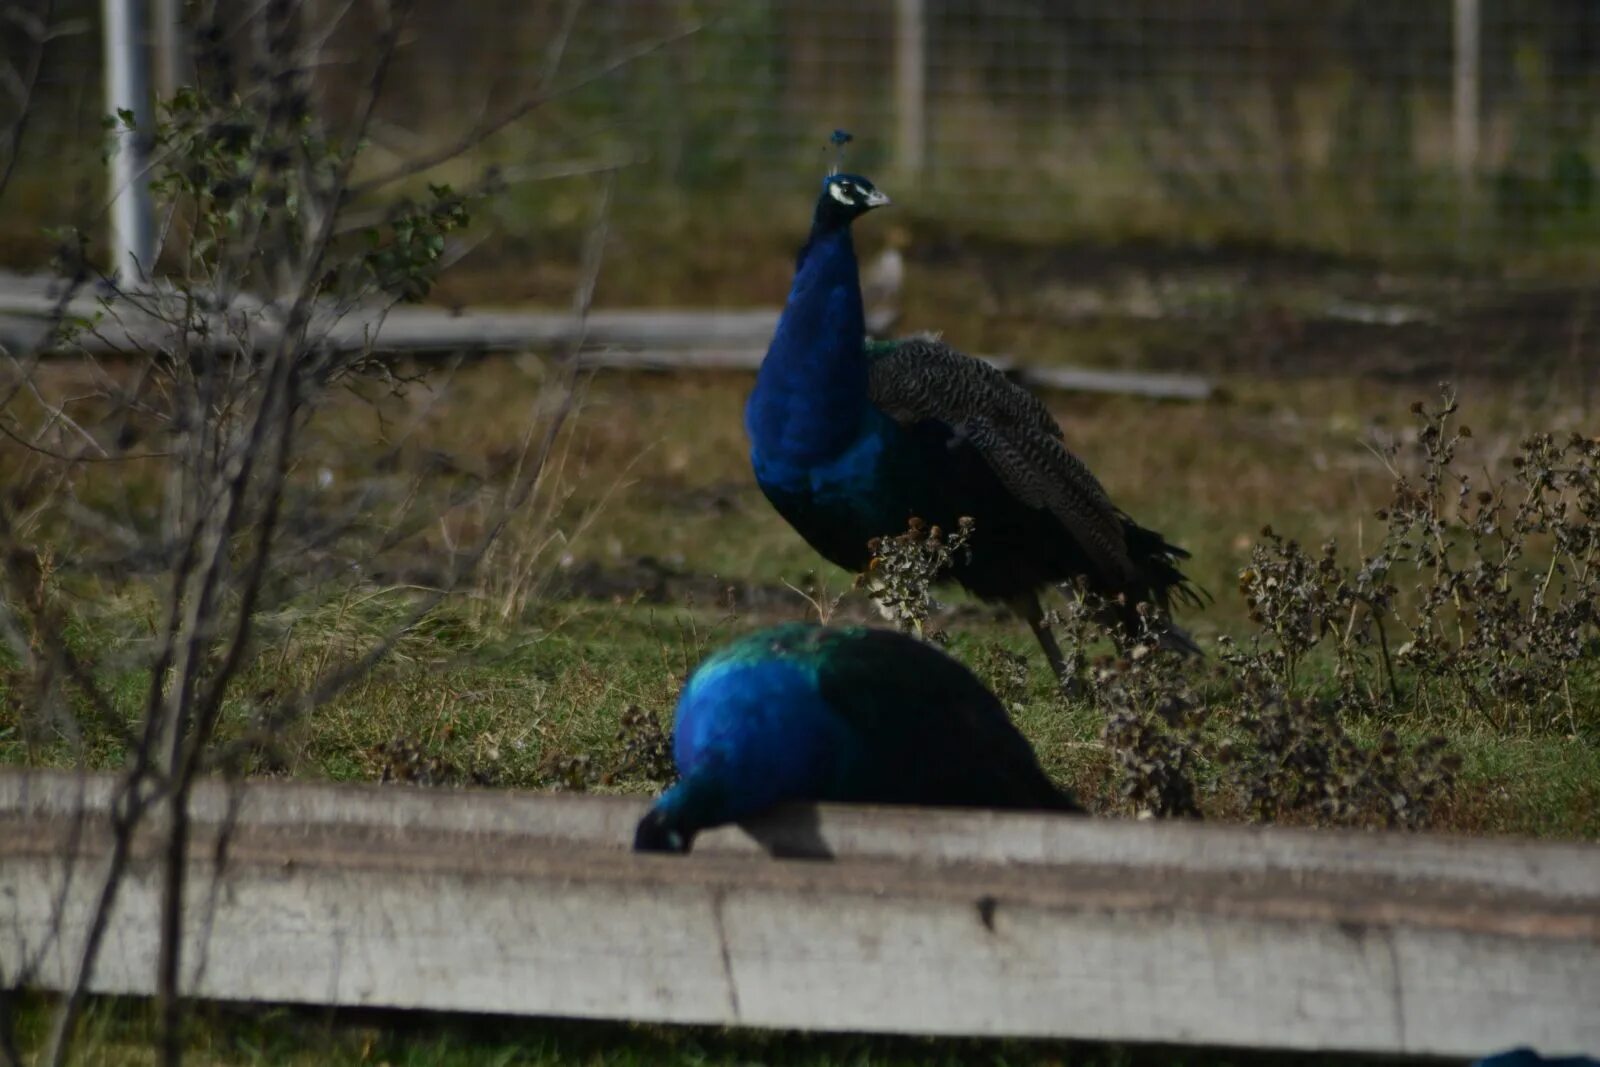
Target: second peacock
(806, 713)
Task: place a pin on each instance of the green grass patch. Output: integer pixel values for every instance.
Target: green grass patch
(123, 1032)
(653, 546)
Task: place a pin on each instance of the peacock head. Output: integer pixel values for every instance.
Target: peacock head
(845, 198)
(695, 802)
(659, 831)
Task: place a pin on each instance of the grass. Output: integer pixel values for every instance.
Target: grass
(664, 548)
(119, 1033)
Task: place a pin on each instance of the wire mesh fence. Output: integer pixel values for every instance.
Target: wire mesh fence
(1431, 129)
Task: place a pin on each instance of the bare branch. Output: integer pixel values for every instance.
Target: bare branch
(558, 44)
(128, 811)
(35, 25)
(222, 402)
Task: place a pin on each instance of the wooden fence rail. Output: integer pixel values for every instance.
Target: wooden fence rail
(625, 339)
(920, 922)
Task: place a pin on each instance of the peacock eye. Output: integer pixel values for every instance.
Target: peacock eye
(842, 192)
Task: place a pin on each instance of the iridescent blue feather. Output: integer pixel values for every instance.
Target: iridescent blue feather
(808, 713)
(849, 443)
(1527, 1057)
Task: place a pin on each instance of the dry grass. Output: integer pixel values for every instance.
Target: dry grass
(119, 1033)
(556, 689)
(652, 517)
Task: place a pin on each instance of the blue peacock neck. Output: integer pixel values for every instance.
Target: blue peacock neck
(811, 391)
(693, 803)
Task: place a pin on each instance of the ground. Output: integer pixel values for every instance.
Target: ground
(119, 1034)
(657, 546)
(650, 544)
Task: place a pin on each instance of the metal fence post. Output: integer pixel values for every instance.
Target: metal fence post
(127, 80)
(910, 87)
(1465, 104)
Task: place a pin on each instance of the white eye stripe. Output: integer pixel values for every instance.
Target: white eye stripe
(837, 191)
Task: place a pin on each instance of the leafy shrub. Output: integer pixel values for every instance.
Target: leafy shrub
(1482, 594)
(1184, 740)
(903, 569)
(644, 753)
(646, 748)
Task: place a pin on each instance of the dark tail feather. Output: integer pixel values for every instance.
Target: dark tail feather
(1157, 560)
(1129, 623)
(1040, 794)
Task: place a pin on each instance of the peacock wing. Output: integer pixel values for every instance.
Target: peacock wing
(922, 378)
(930, 731)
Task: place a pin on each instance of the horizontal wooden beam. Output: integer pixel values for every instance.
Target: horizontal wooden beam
(1150, 385)
(922, 922)
(626, 339)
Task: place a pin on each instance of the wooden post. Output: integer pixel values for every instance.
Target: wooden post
(127, 82)
(1466, 102)
(910, 87)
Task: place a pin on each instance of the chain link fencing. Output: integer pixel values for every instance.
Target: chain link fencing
(1457, 136)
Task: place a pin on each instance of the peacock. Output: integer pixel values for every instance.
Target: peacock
(1527, 1057)
(851, 439)
(802, 712)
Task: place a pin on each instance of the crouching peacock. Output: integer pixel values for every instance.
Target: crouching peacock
(1527, 1057)
(807, 713)
(850, 440)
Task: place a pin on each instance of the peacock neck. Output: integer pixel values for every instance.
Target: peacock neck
(811, 390)
(692, 804)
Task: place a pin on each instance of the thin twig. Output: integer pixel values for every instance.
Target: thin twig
(37, 26)
(191, 716)
(128, 808)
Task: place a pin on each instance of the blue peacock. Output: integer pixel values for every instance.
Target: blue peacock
(802, 712)
(850, 439)
(1527, 1057)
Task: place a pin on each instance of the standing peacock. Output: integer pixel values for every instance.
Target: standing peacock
(851, 439)
(803, 712)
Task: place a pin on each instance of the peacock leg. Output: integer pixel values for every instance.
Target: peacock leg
(1027, 605)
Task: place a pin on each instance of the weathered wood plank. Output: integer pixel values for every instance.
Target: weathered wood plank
(938, 923)
(627, 339)
(1148, 384)
(1556, 869)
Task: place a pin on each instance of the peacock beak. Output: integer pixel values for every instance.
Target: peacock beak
(877, 199)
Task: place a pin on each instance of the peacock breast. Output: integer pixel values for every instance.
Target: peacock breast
(868, 489)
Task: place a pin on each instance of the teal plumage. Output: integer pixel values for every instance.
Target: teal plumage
(809, 713)
(850, 441)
